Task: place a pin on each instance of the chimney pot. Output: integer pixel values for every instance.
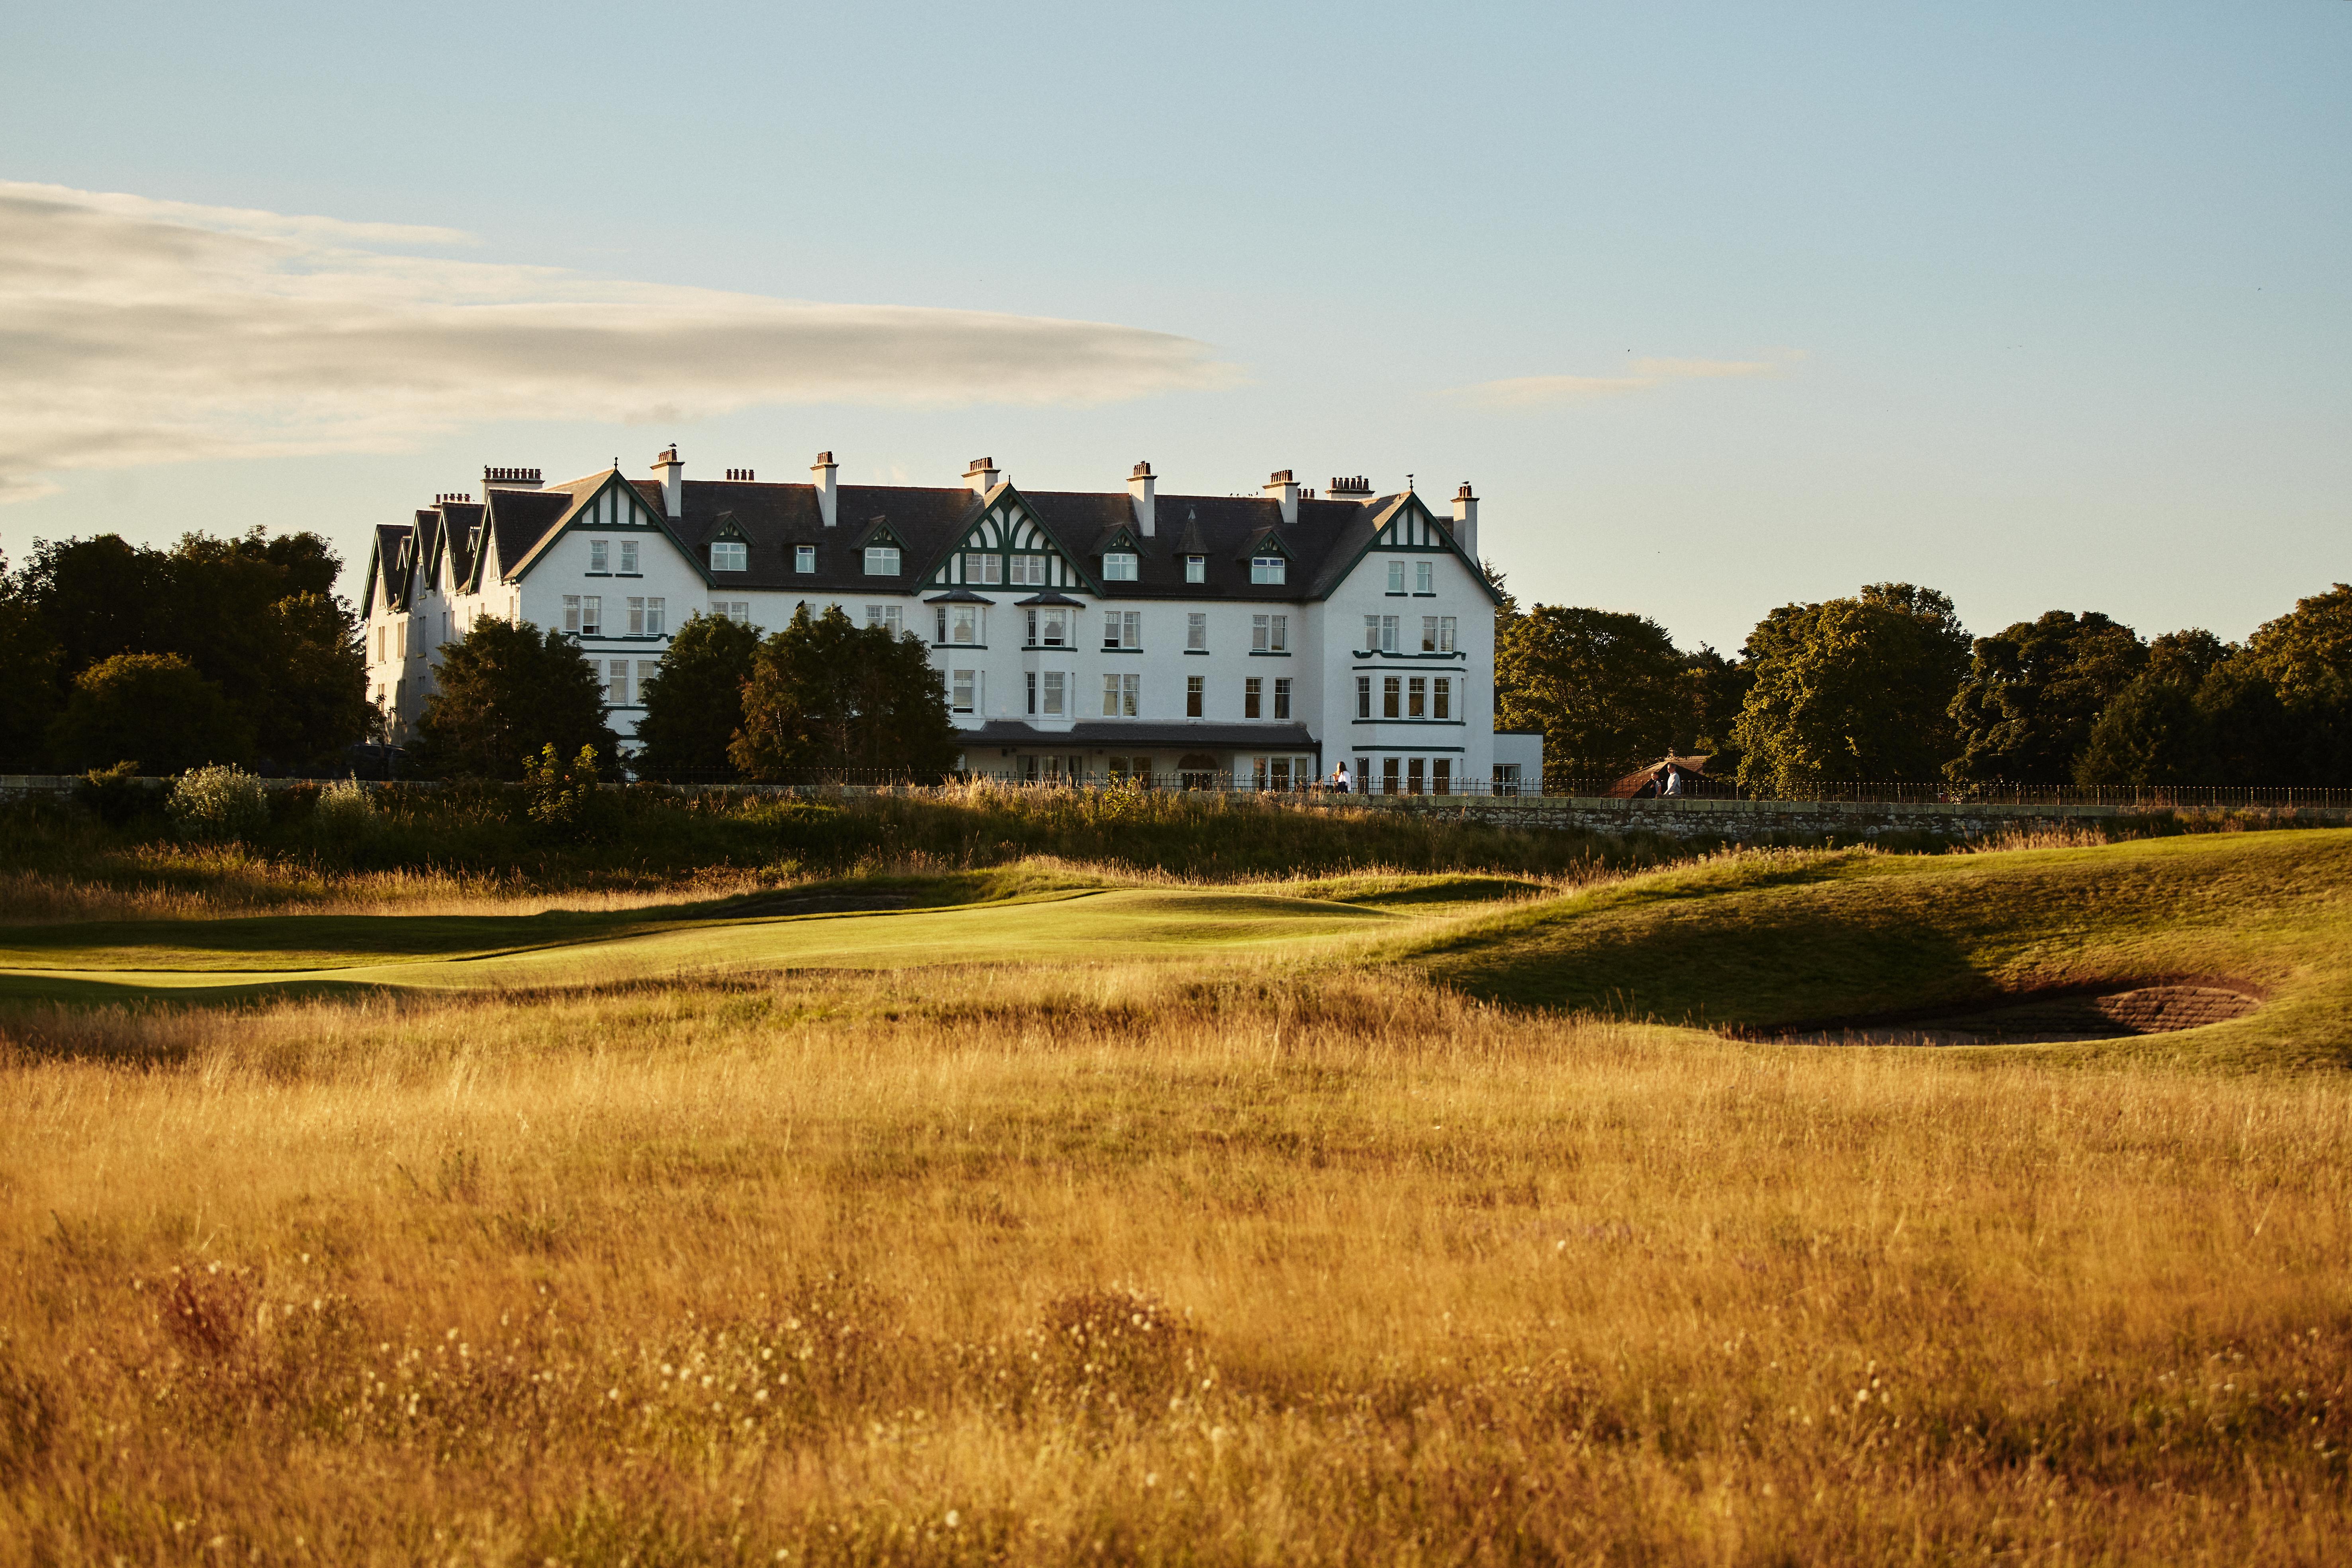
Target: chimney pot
(1466, 520)
(1283, 490)
(828, 493)
(672, 474)
(1141, 488)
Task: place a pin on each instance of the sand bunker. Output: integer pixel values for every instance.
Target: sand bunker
(2147, 1010)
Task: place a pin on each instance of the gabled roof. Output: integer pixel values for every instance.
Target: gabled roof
(1323, 545)
(519, 519)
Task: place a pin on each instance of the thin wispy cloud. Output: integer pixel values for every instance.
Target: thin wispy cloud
(139, 331)
(1638, 376)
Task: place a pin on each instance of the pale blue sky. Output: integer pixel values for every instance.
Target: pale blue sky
(2052, 304)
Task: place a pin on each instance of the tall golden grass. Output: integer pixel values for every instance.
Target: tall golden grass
(1126, 1263)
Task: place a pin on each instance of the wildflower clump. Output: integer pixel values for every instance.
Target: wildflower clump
(344, 813)
(562, 795)
(1117, 1348)
(219, 805)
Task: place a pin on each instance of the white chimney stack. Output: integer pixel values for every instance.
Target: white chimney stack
(1466, 520)
(1140, 486)
(828, 493)
(672, 474)
(1284, 488)
(981, 475)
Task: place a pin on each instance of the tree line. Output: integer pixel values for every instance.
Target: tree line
(820, 696)
(1887, 685)
(237, 650)
(215, 650)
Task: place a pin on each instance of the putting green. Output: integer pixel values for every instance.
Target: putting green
(319, 954)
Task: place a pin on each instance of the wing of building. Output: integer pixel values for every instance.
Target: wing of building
(1270, 639)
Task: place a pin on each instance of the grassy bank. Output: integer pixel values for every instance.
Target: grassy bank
(1766, 941)
(1079, 1264)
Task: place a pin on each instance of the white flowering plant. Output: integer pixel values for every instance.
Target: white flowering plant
(218, 804)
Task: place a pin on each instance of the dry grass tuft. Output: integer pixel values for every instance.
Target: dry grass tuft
(1116, 1262)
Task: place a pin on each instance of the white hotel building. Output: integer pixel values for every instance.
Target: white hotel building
(1079, 635)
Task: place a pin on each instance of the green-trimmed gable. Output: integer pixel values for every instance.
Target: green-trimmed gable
(1005, 532)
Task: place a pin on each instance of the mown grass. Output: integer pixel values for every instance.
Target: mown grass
(1084, 1263)
(1761, 941)
(473, 848)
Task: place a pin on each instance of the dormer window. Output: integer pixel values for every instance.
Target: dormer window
(1118, 566)
(1268, 569)
(881, 560)
(804, 558)
(729, 555)
(1196, 568)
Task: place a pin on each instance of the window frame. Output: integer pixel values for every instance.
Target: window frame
(887, 555)
(738, 553)
(1120, 565)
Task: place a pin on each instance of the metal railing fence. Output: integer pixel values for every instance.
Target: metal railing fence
(2129, 798)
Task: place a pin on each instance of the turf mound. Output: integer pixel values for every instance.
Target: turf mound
(2124, 941)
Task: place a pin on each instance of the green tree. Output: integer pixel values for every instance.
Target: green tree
(1607, 689)
(314, 669)
(154, 709)
(2152, 732)
(2307, 657)
(502, 695)
(256, 615)
(1715, 688)
(32, 693)
(827, 698)
(1853, 689)
(2034, 689)
(2187, 657)
(694, 703)
(2252, 736)
(2307, 653)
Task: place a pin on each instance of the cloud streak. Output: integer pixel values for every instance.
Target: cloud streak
(139, 331)
(1640, 376)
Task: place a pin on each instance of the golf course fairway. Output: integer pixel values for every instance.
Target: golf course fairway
(314, 954)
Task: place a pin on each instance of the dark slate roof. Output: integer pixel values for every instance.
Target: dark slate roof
(1226, 530)
(384, 564)
(929, 522)
(461, 519)
(1166, 734)
(519, 519)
